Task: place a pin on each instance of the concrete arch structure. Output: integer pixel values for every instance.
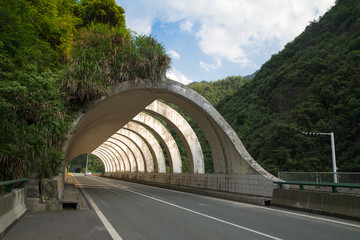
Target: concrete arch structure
(152, 142)
(104, 158)
(101, 157)
(165, 137)
(121, 156)
(125, 150)
(111, 157)
(137, 159)
(107, 115)
(148, 162)
(185, 132)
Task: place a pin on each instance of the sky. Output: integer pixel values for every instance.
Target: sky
(209, 40)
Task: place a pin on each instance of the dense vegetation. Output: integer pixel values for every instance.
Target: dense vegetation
(78, 164)
(217, 90)
(55, 56)
(311, 85)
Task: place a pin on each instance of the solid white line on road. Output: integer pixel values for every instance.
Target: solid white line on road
(103, 219)
(192, 211)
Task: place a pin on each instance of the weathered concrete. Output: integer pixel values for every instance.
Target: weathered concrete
(134, 152)
(129, 149)
(171, 148)
(143, 147)
(12, 207)
(110, 157)
(151, 142)
(343, 205)
(103, 159)
(107, 115)
(254, 184)
(120, 157)
(184, 131)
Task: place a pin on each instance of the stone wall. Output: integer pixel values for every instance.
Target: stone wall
(45, 194)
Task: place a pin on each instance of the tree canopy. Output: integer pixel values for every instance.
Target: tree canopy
(311, 85)
(55, 56)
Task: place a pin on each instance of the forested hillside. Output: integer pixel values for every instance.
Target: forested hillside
(311, 85)
(55, 56)
(215, 91)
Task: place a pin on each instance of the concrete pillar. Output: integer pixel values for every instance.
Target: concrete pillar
(122, 156)
(165, 137)
(152, 142)
(127, 150)
(116, 157)
(102, 158)
(111, 157)
(149, 163)
(138, 158)
(185, 132)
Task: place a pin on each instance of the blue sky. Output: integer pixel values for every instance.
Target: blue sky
(212, 39)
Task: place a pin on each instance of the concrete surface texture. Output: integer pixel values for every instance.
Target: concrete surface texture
(336, 204)
(12, 207)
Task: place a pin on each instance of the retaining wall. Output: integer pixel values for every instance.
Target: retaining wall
(12, 207)
(342, 205)
(256, 185)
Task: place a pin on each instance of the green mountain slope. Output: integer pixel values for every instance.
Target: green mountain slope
(312, 85)
(217, 90)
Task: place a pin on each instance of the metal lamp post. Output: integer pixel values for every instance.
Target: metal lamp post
(332, 150)
(87, 161)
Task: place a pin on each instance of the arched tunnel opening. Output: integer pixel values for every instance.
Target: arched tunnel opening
(93, 162)
(165, 132)
(159, 139)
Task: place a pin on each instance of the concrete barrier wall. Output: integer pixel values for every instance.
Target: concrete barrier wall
(342, 205)
(234, 183)
(12, 207)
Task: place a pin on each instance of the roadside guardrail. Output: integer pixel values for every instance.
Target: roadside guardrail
(301, 184)
(9, 185)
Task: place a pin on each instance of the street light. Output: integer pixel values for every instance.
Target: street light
(332, 149)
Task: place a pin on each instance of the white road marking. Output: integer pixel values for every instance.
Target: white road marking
(192, 211)
(103, 219)
(271, 209)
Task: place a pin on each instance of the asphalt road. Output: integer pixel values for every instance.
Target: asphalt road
(134, 211)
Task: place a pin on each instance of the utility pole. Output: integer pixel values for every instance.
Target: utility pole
(87, 161)
(331, 134)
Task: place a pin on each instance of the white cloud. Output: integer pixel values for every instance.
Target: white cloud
(174, 54)
(228, 29)
(209, 66)
(186, 26)
(176, 75)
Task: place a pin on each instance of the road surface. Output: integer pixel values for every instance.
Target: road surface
(134, 211)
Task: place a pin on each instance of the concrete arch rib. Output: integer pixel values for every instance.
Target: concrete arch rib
(126, 149)
(105, 158)
(165, 137)
(152, 142)
(111, 157)
(122, 157)
(102, 159)
(147, 156)
(138, 159)
(184, 130)
(117, 158)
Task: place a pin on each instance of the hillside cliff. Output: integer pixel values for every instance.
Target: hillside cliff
(313, 84)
